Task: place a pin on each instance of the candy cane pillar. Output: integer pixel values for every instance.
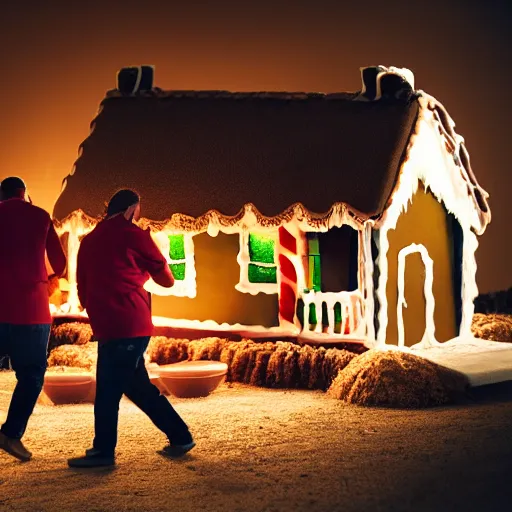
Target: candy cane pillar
(290, 250)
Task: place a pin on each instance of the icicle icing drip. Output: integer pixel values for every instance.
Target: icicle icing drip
(428, 338)
(443, 165)
(469, 286)
(368, 283)
(382, 263)
(76, 226)
(248, 217)
(73, 246)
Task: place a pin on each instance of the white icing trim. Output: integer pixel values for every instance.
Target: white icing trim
(76, 228)
(382, 263)
(351, 311)
(404, 73)
(243, 258)
(186, 287)
(428, 339)
(469, 286)
(368, 283)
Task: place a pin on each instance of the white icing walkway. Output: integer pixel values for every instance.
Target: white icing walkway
(484, 362)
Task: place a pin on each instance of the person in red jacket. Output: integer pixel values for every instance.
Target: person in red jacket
(114, 262)
(26, 235)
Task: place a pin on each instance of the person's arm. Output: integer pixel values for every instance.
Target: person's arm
(152, 260)
(54, 251)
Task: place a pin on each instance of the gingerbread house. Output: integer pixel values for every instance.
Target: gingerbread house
(328, 217)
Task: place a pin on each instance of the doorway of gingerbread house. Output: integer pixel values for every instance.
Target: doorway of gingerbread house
(331, 304)
(411, 306)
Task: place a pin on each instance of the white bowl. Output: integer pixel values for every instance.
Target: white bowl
(69, 388)
(190, 379)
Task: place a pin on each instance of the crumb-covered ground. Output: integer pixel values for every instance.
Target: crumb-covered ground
(273, 450)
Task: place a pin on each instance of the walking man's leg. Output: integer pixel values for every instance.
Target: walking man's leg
(27, 348)
(147, 397)
(117, 361)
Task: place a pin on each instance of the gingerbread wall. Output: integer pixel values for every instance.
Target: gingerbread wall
(217, 273)
(425, 222)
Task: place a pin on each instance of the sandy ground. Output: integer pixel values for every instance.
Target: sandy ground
(273, 450)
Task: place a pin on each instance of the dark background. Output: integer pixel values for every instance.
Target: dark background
(59, 59)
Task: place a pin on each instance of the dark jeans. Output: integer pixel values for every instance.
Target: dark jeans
(121, 370)
(26, 346)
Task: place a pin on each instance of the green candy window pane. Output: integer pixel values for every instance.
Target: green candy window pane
(261, 248)
(315, 273)
(178, 271)
(259, 274)
(177, 247)
(314, 246)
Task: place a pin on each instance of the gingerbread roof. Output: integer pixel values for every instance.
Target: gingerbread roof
(191, 152)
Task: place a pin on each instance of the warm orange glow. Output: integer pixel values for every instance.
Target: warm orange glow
(60, 61)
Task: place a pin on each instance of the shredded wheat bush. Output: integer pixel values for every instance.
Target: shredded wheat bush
(385, 378)
(492, 327)
(397, 379)
(270, 364)
(75, 356)
(72, 333)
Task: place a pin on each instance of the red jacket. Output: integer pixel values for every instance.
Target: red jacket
(114, 262)
(26, 234)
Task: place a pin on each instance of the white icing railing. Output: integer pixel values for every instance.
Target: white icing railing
(352, 311)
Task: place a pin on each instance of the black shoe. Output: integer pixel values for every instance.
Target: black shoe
(92, 459)
(177, 450)
(14, 447)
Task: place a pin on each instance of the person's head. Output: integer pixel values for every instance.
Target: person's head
(124, 202)
(12, 187)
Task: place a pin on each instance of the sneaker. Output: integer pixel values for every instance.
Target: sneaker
(92, 459)
(177, 450)
(14, 447)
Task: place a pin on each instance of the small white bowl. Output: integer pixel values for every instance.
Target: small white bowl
(191, 379)
(69, 388)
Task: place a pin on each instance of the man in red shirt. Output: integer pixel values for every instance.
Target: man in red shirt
(26, 234)
(114, 262)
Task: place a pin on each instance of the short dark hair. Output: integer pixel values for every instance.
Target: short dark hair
(12, 187)
(121, 201)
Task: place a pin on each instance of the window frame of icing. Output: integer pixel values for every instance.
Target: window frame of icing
(186, 287)
(244, 260)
